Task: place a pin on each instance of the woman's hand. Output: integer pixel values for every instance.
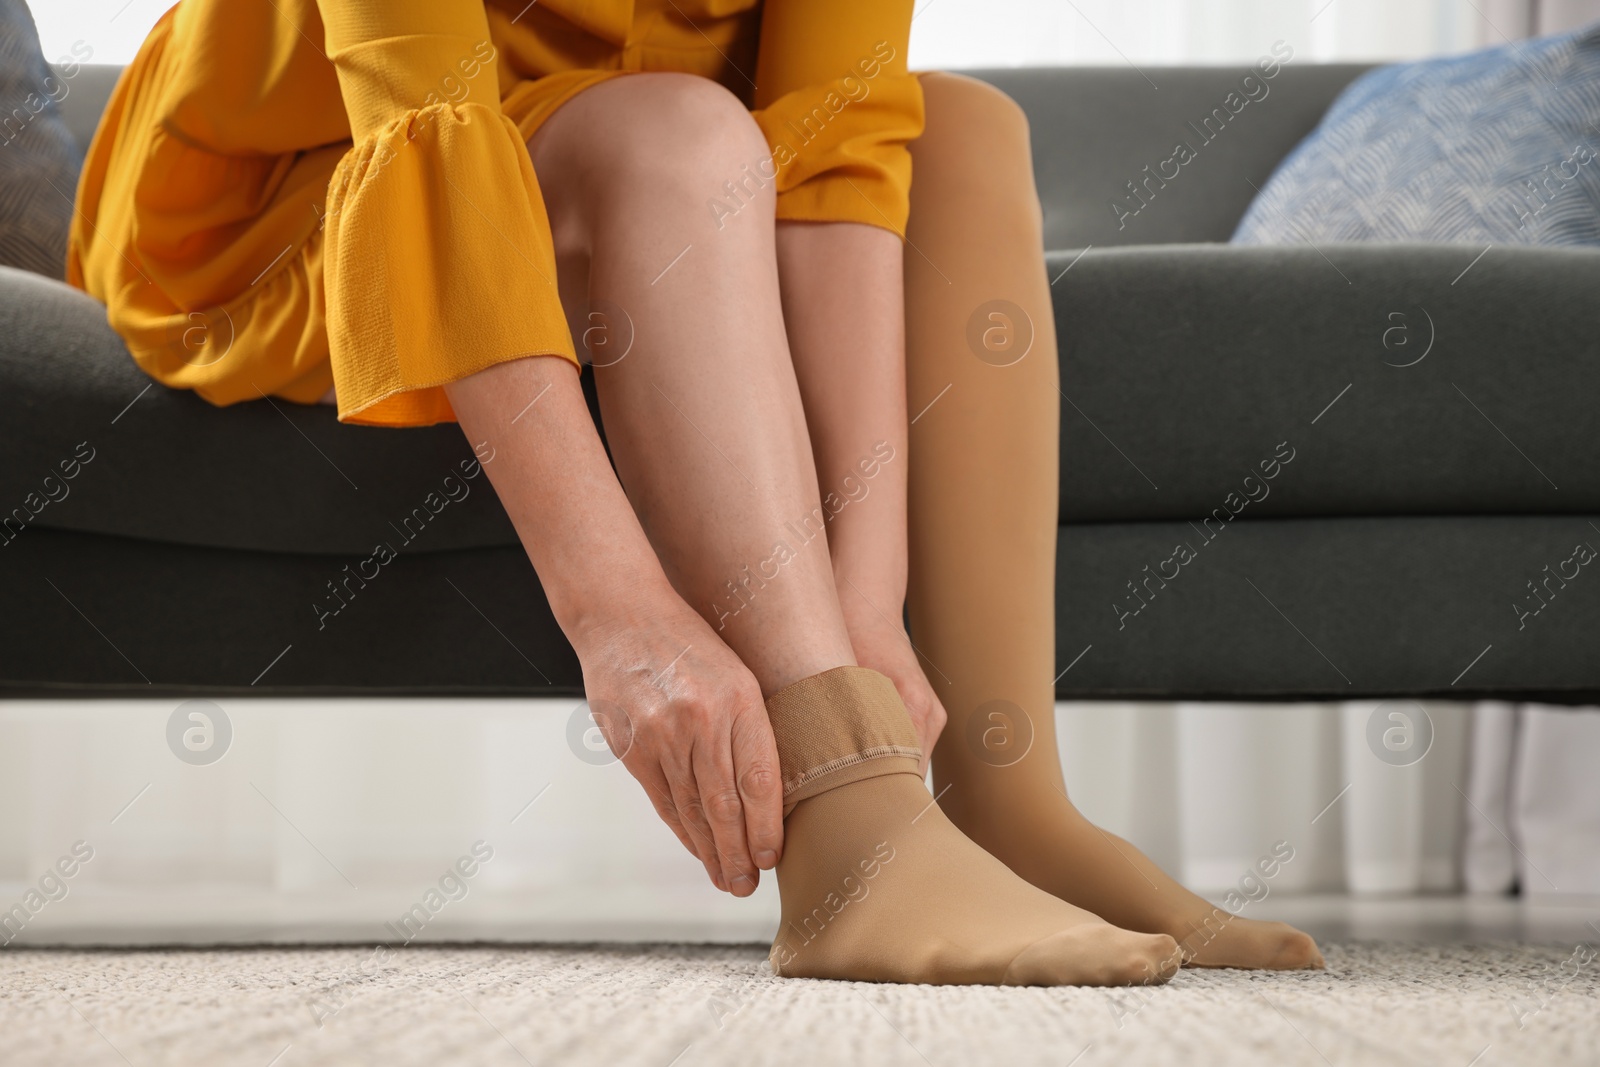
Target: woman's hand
(879, 641)
(686, 718)
(679, 708)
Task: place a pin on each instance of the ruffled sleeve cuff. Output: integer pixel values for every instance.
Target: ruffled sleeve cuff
(438, 260)
(438, 263)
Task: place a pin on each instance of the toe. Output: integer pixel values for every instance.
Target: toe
(1168, 956)
(1140, 959)
(1297, 950)
(1097, 954)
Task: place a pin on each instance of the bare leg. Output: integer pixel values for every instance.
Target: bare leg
(983, 517)
(843, 297)
(705, 422)
(702, 414)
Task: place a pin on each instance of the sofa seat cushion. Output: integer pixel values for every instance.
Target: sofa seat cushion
(1400, 384)
(154, 463)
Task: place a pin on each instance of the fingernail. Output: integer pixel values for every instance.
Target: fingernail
(766, 859)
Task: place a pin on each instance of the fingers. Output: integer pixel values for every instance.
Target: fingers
(919, 723)
(927, 716)
(695, 794)
(932, 726)
(723, 810)
(655, 787)
(691, 814)
(755, 766)
(699, 743)
(936, 725)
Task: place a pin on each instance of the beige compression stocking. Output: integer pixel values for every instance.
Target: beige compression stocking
(983, 515)
(876, 883)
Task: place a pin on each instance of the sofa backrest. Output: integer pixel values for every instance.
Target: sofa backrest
(87, 92)
(1095, 130)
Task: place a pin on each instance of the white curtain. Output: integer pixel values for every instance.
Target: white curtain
(1504, 795)
(333, 817)
(1002, 33)
(958, 33)
(954, 34)
(1504, 19)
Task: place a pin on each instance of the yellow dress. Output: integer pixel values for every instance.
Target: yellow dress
(288, 195)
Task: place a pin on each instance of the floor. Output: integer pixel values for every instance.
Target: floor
(220, 916)
(645, 913)
(668, 1005)
(277, 868)
(1448, 981)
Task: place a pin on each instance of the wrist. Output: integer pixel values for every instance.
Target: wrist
(623, 599)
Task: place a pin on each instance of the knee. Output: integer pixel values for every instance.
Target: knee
(975, 142)
(686, 134)
(959, 108)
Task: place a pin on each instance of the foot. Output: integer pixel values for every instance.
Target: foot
(1224, 940)
(1055, 848)
(879, 886)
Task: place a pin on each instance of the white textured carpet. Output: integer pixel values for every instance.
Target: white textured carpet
(682, 1005)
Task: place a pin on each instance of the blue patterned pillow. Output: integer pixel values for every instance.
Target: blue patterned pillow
(39, 160)
(1497, 147)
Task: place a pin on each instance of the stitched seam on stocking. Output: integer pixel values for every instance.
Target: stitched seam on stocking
(878, 752)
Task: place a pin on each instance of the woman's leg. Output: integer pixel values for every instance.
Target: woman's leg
(702, 412)
(705, 424)
(983, 517)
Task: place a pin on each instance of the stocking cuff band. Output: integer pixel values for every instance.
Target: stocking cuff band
(839, 727)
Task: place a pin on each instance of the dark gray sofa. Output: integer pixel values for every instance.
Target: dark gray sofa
(1388, 556)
